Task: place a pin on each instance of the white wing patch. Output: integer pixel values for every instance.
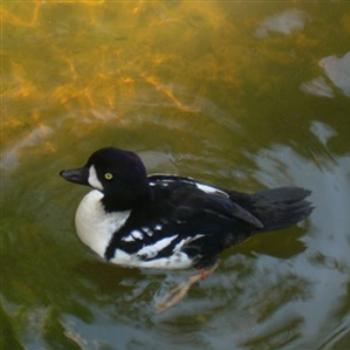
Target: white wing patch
(152, 250)
(203, 187)
(147, 230)
(210, 189)
(178, 260)
(128, 239)
(136, 234)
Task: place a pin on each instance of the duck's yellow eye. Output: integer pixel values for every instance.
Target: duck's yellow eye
(108, 176)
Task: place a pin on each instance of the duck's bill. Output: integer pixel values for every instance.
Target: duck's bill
(78, 176)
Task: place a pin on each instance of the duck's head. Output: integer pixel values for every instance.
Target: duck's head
(120, 175)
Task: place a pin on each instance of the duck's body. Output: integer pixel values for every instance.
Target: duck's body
(170, 222)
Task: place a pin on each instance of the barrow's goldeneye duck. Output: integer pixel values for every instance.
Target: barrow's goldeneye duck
(171, 222)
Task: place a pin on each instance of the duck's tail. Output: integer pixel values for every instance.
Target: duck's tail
(277, 208)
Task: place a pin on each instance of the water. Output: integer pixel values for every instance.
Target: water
(245, 95)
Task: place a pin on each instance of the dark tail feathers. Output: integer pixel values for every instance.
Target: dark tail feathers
(277, 208)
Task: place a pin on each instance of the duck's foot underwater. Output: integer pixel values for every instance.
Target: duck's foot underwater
(177, 293)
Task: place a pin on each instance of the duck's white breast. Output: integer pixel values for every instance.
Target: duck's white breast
(94, 226)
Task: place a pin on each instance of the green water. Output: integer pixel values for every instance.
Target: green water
(245, 95)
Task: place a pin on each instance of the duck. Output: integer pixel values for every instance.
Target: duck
(161, 221)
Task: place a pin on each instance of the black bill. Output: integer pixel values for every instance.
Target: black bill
(78, 176)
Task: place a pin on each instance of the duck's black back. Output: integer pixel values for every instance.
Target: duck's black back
(204, 221)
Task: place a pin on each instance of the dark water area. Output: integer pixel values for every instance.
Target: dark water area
(244, 95)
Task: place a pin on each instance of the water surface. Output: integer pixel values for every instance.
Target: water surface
(246, 95)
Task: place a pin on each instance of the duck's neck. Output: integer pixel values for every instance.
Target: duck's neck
(126, 199)
(95, 227)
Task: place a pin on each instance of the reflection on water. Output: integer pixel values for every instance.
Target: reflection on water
(324, 269)
(317, 87)
(9, 158)
(284, 23)
(244, 95)
(338, 71)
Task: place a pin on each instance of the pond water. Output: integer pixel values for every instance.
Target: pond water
(245, 95)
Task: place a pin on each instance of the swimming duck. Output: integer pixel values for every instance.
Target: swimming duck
(167, 221)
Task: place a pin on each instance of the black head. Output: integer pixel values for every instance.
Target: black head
(119, 174)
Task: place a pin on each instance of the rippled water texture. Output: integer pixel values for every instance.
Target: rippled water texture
(246, 95)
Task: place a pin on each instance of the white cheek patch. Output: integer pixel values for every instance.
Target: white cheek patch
(93, 179)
